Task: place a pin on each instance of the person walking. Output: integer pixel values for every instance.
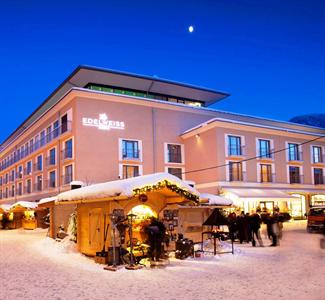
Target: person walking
(255, 224)
(274, 221)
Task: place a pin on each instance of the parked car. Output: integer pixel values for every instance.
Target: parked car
(316, 218)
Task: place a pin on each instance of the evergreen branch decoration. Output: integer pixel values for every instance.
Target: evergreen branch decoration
(162, 184)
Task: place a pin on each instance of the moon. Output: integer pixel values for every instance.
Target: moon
(190, 29)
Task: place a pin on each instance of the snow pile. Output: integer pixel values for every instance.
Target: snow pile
(123, 187)
(215, 199)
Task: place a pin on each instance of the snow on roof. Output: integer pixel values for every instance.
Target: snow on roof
(49, 199)
(24, 204)
(123, 187)
(5, 207)
(215, 199)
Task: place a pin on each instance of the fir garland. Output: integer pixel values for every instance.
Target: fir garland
(162, 184)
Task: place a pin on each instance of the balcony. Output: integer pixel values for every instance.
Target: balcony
(55, 133)
(270, 178)
(50, 161)
(296, 179)
(135, 154)
(319, 180)
(66, 179)
(297, 156)
(66, 153)
(38, 167)
(236, 151)
(38, 187)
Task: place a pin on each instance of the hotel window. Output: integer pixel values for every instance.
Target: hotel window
(293, 152)
(52, 157)
(37, 144)
(31, 146)
(6, 193)
(56, 129)
(0, 180)
(39, 183)
(174, 153)
(178, 172)
(20, 189)
(64, 123)
(29, 186)
(317, 154)
(52, 181)
(26, 149)
(28, 168)
(235, 171)
(0, 194)
(266, 173)
(12, 176)
(48, 134)
(130, 149)
(6, 178)
(12, 194)
(67, 152)
(42, 138)
(67, 174)
(234, 145)
(130, 171)
(318, 176)
(294, 174)
(20, 172)
(264, 148)
(39, 163)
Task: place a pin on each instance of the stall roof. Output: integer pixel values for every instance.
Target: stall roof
(215, 199)
(23, 204)
(5, 207)
(47, 200)
(123, 188)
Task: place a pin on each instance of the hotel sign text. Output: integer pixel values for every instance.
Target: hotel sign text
(103, 123)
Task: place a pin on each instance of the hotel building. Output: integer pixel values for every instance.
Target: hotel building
(101, 125)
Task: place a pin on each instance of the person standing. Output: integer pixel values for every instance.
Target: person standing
(255, 224)
(275, 229)
(156, 232)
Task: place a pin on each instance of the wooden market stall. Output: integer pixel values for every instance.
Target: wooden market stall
(24, 214)
(143, 196)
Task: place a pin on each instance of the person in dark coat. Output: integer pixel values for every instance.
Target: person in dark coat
(242, 226)
(275, 229)
(156, 233)
(255, 224)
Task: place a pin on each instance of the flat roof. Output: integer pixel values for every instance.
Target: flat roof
(85, 74)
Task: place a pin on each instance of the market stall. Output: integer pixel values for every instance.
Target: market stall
(24, 214)
(144, 196)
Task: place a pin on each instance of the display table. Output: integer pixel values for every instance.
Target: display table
(29, 224)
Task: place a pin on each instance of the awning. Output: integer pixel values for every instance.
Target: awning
(261, 194)
(215, 199)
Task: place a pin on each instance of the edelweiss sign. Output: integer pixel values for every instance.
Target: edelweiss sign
(103, 123)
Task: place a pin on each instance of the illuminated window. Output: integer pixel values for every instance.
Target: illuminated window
(235, 171)
(266, 173)
(130, 171)
(294, 174)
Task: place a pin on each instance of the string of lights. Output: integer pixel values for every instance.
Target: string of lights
(251, 158)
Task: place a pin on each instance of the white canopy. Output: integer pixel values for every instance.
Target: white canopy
(123, 187)
(215, 199)
(259, 193)
(5, 207)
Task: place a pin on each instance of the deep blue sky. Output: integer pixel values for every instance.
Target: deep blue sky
(269, 55)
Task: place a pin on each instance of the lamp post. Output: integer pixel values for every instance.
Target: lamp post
(131, 265)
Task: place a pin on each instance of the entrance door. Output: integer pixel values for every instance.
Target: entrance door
(95, 229)
(268, 205)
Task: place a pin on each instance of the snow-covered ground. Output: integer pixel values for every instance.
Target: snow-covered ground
(35, 267)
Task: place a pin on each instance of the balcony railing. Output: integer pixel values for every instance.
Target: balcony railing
(296, 178)
(50, 161)
(135, 154)
(236, 150)
(66, 179)
(319, 179)
(174, 158)
(270, 178)
(66, 153)
(298, 156)
(237, 176)
(55, 133)
(38, 186)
